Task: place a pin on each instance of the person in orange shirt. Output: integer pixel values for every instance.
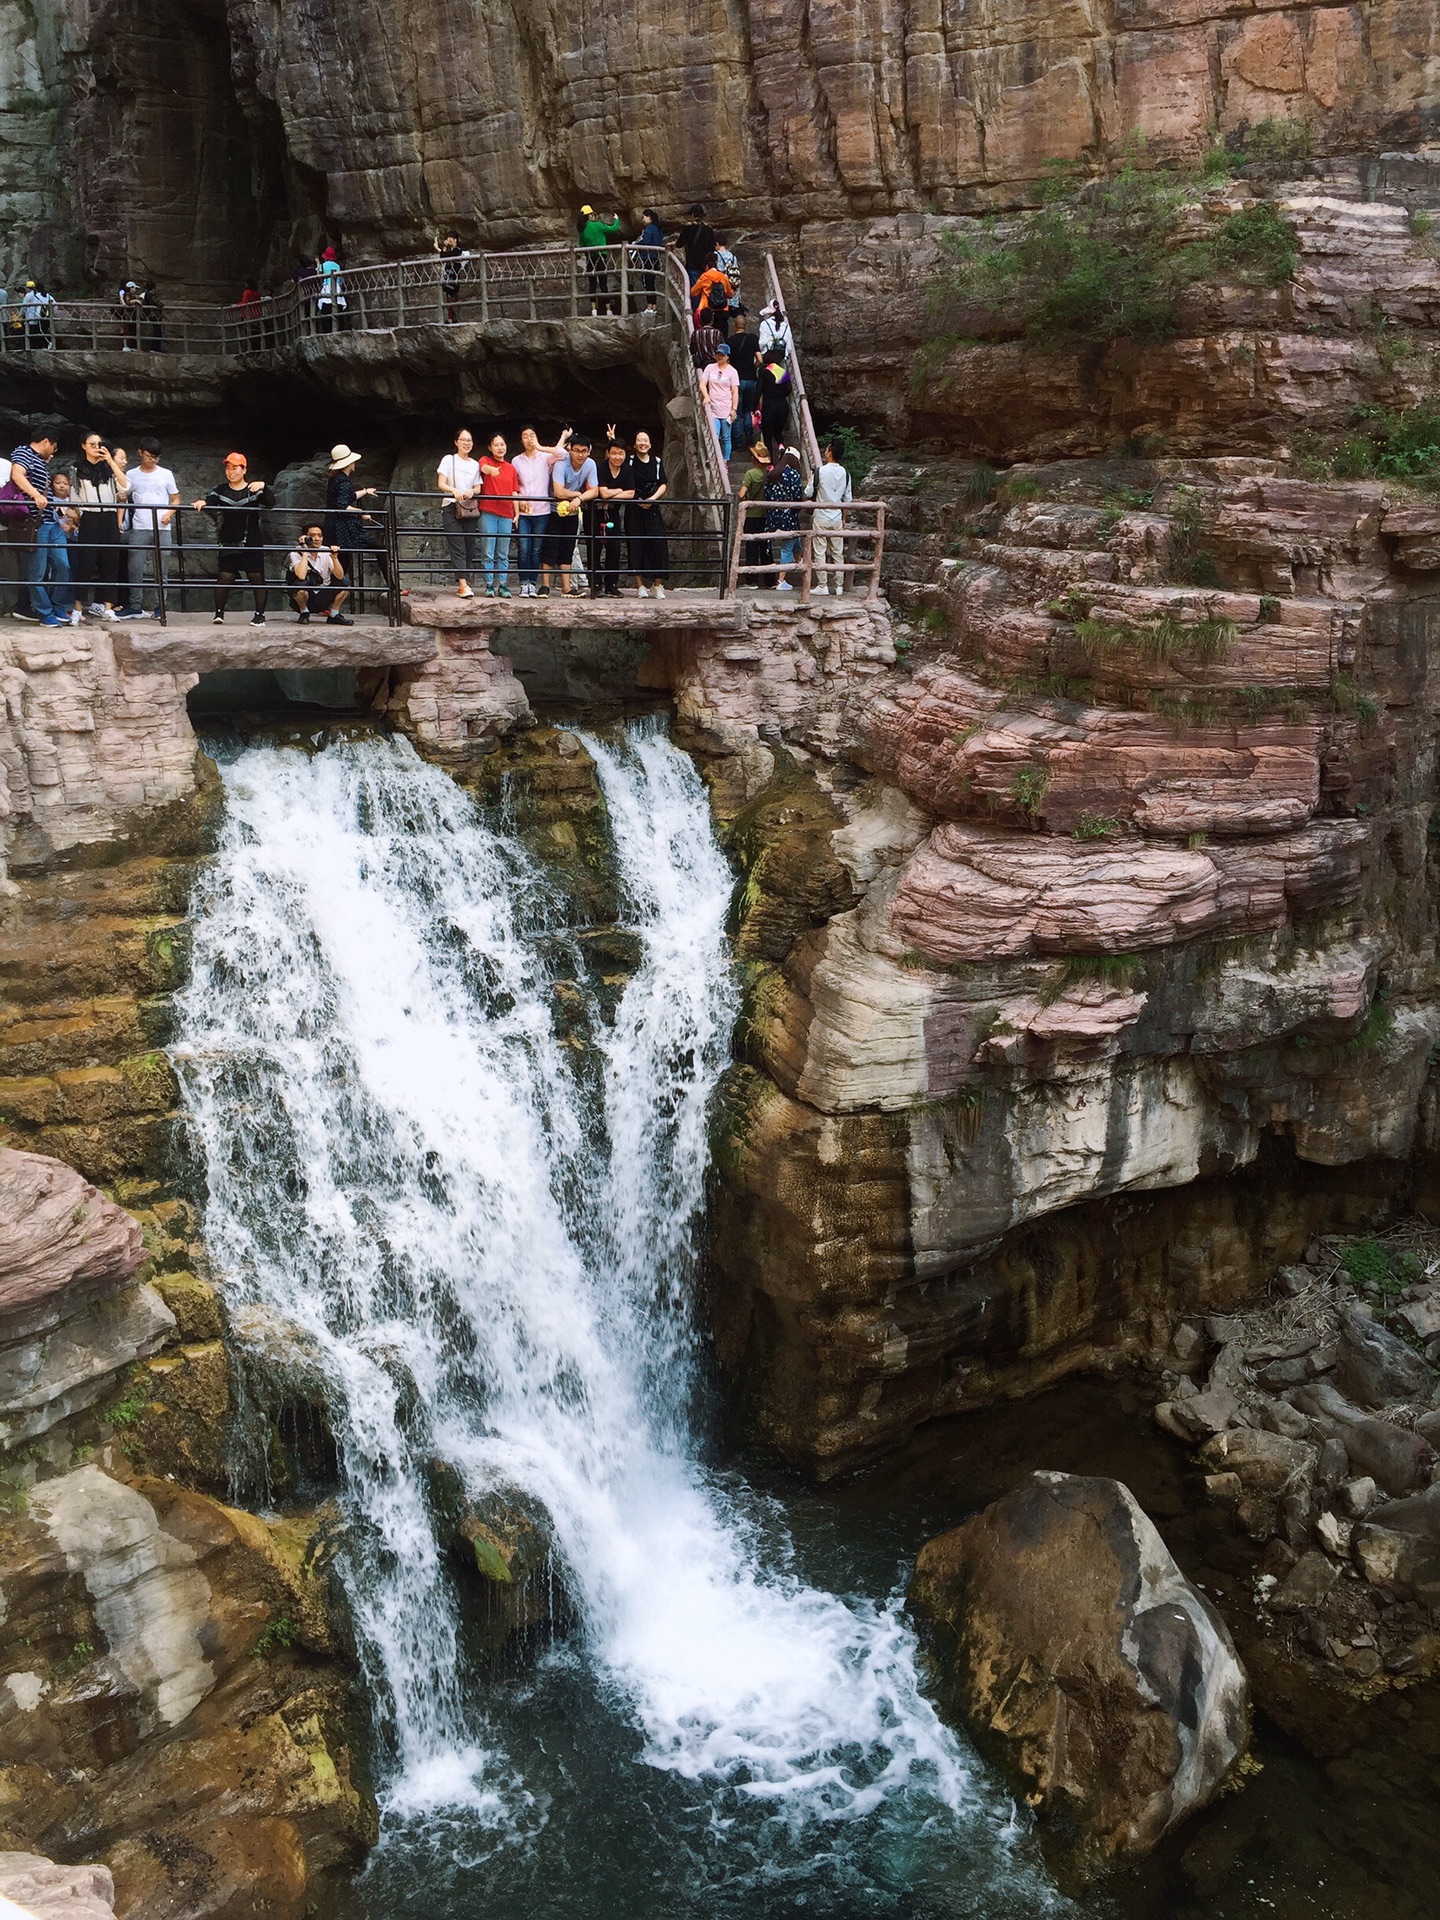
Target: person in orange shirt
(710, 296)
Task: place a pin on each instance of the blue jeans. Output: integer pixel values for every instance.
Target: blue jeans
(530, 538)
(789, 549)
(50, 560)
(495, 531)
(722, 433)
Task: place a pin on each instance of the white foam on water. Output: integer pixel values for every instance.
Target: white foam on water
(492, 1254)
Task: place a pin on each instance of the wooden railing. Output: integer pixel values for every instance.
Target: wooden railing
(758, 554)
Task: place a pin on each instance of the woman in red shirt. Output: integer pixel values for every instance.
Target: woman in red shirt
(499, 485)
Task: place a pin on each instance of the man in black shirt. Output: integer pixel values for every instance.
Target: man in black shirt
(744, 347)
(236, 505)
(697, 242)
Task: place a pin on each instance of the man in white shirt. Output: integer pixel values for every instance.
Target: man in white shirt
(36, 306)
(317, 577)
(154, 497)
(830, 489)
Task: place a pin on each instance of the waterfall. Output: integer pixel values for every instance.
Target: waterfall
(484, 1238)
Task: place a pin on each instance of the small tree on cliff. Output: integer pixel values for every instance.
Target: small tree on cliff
(1101, 260)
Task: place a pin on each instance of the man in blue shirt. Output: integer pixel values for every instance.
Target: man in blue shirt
(49, 556)
(574, 482)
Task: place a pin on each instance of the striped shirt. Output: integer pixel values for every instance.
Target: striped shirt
(37, 471)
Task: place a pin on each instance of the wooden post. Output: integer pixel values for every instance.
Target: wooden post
(874, 593)
(807, 560)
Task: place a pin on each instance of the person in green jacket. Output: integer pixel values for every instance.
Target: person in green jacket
(598, 234)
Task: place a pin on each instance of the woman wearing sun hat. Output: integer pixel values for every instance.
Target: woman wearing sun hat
(345, 519)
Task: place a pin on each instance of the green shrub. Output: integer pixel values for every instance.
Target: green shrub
(1099, 260)
(1269, 609)
(277, 1635)
(1110, 969)
(1366, 1262)
(1028, 788)
(1096, 826)
(1401, 444)
(982, 485)
(1257, 245)
(1283, 143)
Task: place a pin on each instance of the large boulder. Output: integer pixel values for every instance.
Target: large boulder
(1377, 1369)
(1075, 1648)
(72, 1318)
(52, 1892)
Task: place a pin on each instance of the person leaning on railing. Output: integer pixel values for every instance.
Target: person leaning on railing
(236, 505)
(595, 236)
(101, 490)
(347, 525)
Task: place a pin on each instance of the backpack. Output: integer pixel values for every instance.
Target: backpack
(14, 505)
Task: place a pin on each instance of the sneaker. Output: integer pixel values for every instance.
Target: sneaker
(154, 614)
(54, 620)
(97, 609)
(489, 593)
(218, 620)
(820, 590)
(784, 587)
(303, 619)
(23, 613)
(503, 593)
(644, 592)
(257, 619)
(130, 613)
(659, 591)
(75, 616)
(465, 593)
(338, 620)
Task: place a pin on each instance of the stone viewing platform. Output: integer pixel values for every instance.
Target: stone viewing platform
(192, 643)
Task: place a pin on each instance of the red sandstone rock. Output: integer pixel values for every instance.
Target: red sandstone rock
(958, 750)
(61, 1240)
(969, 894)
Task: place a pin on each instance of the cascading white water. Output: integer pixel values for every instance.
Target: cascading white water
(491, 1261)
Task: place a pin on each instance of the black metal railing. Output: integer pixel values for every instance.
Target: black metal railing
(167, 561)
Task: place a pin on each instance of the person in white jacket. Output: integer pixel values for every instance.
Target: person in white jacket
(830, 489)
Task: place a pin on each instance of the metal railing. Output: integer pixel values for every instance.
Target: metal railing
(164, 561)
(550, 284)
(758, 553)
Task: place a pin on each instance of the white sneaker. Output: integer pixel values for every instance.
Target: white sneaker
(824, 590)
(464, 593)
(659, 591)
(784, 587)
(75, 616)
(644, 592)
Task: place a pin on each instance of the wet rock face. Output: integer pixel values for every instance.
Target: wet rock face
(1070, 1641)
(170, 1699)
(1140, 888)
(857, 112)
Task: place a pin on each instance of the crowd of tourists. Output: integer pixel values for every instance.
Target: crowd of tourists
(96, 534)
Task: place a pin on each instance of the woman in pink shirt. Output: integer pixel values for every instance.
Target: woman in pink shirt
(720, 386)
(499, 484)
(534, 466)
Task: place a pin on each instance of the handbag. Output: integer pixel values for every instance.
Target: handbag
(467, 509)
(14, 505)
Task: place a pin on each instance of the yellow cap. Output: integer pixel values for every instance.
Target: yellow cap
(587, 210)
